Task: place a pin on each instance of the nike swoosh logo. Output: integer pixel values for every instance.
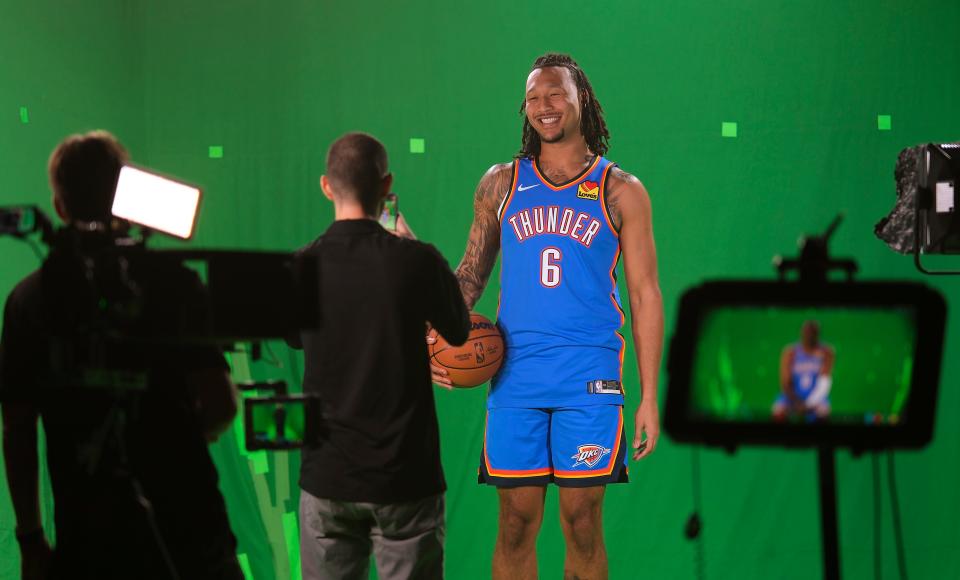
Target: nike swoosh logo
(522, 188)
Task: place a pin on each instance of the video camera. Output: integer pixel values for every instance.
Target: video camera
(107, 294)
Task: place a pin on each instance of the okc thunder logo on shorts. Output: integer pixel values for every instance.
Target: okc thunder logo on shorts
(589, 455)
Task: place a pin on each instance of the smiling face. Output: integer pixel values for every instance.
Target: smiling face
(552, 104)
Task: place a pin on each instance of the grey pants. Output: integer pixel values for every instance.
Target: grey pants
(336, 538)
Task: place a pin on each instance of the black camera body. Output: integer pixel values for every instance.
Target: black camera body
(105, 293)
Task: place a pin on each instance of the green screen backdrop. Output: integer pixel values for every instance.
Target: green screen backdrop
(750, 122)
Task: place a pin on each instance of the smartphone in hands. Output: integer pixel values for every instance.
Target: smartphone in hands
(390, 212)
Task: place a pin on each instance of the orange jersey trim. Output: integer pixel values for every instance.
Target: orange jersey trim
(603, 200)
(583, 175)
(500, 213)
(502, 210)
(603, 470)
(623, 317)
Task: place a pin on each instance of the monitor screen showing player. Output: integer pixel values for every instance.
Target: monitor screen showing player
(810, 365)
(842, 364)
(279, 422)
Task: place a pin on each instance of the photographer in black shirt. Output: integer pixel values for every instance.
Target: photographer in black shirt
(374, 479)
(134, 488)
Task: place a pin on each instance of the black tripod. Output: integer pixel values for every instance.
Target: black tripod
(113, 431)
(814, 266)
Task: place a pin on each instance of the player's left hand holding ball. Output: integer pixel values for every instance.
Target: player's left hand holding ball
(648, 423)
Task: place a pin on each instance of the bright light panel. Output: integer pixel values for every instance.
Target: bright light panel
(156, 202)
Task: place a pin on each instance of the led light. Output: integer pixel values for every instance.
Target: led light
(156, 202)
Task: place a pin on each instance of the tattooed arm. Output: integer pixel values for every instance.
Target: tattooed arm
(628, 205)
(620, 184)
(483, 245)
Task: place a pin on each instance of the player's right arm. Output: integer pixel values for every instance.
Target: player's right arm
(786, 360)
(786, 377)
(483, 243)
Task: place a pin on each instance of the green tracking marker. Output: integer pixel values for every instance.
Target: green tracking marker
(884, 122)
(216, 152)
(417, 145)
(728, 129)
(24, 115)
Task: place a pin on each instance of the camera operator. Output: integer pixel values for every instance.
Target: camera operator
(374, 479)
(134, 488)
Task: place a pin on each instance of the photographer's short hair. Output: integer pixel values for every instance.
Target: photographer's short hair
(356, 166)
(83, 173)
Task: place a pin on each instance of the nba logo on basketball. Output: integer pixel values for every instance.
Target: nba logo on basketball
(478, 349)
(589, 455)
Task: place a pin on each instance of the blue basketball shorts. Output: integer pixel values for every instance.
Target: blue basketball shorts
(569, 446)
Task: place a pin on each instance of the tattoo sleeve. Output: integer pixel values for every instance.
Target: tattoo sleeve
(483, 244)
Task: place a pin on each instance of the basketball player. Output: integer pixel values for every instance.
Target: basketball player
(562, 216)
(806, 370)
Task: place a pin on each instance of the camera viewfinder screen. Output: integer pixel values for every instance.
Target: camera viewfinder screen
(289, 416)
(837, 365)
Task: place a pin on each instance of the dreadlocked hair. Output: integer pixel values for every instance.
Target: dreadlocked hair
(592, 126)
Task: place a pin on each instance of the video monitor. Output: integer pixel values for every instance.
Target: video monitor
(279, 423)
(851, 364)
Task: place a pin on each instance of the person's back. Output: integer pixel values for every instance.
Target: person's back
(374, 477)
(379, 429)
(101, 437)
(114, 411)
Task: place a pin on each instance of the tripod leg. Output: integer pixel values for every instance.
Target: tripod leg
(828, 513)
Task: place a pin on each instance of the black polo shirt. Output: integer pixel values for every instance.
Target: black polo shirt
(379, 439)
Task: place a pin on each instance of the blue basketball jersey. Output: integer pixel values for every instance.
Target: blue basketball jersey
(560, 308)
(805, 371)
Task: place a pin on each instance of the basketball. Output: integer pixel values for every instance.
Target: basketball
(477, 360)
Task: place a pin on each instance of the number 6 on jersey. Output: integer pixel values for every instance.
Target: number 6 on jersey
(550, 267)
